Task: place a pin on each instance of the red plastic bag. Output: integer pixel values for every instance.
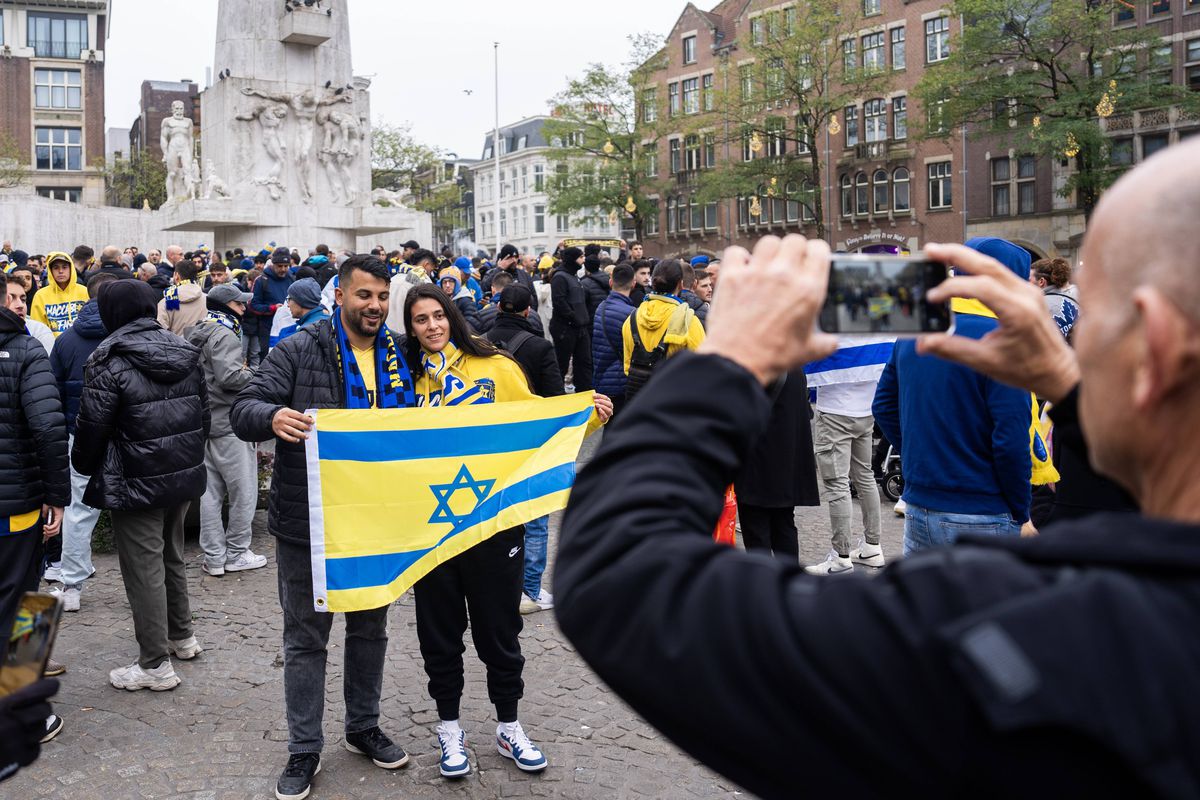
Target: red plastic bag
(726, 532)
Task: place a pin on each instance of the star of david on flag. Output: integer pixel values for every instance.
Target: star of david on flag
(445, 495)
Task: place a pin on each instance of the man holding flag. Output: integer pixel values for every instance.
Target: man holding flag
(351, 361)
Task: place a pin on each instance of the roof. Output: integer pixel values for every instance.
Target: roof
(530, 128)
(170, 86)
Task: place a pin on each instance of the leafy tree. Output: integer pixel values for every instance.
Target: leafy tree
(397, 158)
(780, 105)
(599, 158)
(1039, 73)
(14, 162)
(130, 182)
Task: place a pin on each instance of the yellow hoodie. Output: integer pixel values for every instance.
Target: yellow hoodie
(661, 316)
(57, 308)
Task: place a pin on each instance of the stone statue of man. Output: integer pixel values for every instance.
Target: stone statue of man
(176, 140)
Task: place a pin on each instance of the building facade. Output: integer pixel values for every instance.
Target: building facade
(523, 218)
(52, 93)
(156, 99)
(447, 192)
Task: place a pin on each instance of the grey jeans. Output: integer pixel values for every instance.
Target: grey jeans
(305, 642)
(231, 471)
(150, 551)
(843, 450)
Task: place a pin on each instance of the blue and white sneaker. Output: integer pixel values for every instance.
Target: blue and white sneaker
(453, 741)
(512, 743)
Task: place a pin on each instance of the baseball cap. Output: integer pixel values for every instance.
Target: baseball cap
(228, 293)
(411, 243)
(514, 299)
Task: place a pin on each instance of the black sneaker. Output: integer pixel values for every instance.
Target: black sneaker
(295, 782)
(376, 745)
(54, 726)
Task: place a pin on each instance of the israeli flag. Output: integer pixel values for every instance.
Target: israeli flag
(857, 360)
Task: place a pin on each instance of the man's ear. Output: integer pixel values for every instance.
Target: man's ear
(1170, 349)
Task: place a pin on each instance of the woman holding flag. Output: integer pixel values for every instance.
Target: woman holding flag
(451, 366)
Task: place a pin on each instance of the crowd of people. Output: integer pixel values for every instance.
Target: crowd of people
(140, 385)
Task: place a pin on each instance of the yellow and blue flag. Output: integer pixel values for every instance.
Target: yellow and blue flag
(393, 493)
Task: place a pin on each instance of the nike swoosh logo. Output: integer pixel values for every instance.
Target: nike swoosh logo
(514, 551)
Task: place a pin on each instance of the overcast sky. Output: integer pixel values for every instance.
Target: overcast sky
(420, 54)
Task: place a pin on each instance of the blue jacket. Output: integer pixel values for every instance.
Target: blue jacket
(70, 354)
(964, 438)
(270, 290)
(607, 347)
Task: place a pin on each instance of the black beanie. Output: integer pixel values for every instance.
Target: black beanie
(121, 302)
(570, 258)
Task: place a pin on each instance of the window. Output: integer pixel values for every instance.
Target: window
(1193, 51)
(710, 151)
(1160, 64)
(58, 35)
(774, 78)
(691, 96)
(682, 207)
(875, 120)
(860, 193)
(689, 49)
(776, 137)
(879, 188)
(522, 142)
(58, 193)
(747, 140)
(847, 197)
(691, 147)
(747, 79)
(937, 39)
(897, 35)
(563, 223)
(560, 176)
(503, 222)
(872, 52)
(1124, 12)
(707, 91)
(803, 137)
(57, 88)
(59, 148)
(651, 219)
(1001, 172)
(539, 177)
(793, 205)
(649, 105)
(671, 215)
(1160, 7)
(849, 56)
(936, 118)
(1152, 144)
(806, 210)
(672, 99)
(675, 156)
(710, 216)
(697, 214)
(487, 153)
(1122, 152)
(789, 20)
(871, 7)
(851, 126)
(939, 185)
(804, 73)
(524, 179)
(539, 219)
(1026, 185)
(899, 118)
(900, 190)
(650, 153)
(756, 30)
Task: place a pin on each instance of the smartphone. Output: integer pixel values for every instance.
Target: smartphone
(874, 294)
(30, 641)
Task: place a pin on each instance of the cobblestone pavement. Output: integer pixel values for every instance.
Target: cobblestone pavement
(222, 733)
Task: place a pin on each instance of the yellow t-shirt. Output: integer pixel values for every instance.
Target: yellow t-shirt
(366, 365)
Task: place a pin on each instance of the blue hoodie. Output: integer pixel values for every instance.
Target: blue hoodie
(71, 353)
(270, 290)
(964, 437)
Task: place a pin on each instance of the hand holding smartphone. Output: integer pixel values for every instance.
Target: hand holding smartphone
(879, 294)
(28, 644)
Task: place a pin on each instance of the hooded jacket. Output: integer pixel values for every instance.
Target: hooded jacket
(463, 299)
(143, 421)
(57, 308)
(33, 460)
(225, 371)
(696, 304)
(270, 292)
(596, 286)
(192, 308)
(71, 353)
(607, 344)
(661, 316)
(965, 437)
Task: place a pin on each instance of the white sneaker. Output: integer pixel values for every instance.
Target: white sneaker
(216, 572)
(867, 554)
(544, 600)
(53, 573)
(133, 677)
(247, 560)
(900, 508)
(832, 565)
(453, 742)
(528, 605)
(69, 596)
(184, 649)
(511, 742)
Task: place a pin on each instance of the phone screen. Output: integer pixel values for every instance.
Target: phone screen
(29, 642)
(884, 294)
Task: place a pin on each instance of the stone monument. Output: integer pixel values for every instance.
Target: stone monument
(285, 136)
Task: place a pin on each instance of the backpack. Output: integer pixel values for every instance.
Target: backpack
(642, 362)
(514, 344)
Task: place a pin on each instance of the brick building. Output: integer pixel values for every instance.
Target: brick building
(155, 106)
(52, 92)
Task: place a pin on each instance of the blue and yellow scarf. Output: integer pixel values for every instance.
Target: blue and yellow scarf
(225, 321)
(453, 390)
(393, 381)
(171, 295)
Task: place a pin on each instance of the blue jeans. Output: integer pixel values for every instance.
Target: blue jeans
(537, 533)
(924, 528)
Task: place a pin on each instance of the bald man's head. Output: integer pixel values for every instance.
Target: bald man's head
(110, 254)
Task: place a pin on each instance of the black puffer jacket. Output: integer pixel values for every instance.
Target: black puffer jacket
(33, 458)
(143, 420)
(300, 373)
(596, 286)
(536, 355)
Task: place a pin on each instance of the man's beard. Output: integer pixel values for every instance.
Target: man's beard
(357, 323)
